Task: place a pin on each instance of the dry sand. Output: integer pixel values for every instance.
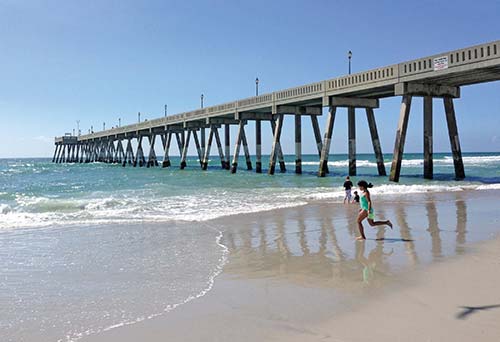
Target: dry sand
(298, 275)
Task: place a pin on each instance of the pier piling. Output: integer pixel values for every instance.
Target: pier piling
(454, 141)
(206, 155)
(166, 142)
(428, 153)
(325, 152)
(372, 125)
(276, 143)
(219, 147)
(258, 146)
(351, 118)
(227, 142)
(400, 138)
(185, 147)
(298, 144)
(245, 149)
(237, 145)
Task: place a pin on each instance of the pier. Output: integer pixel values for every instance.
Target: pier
(437, 77)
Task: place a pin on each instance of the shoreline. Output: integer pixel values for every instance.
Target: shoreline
(239, 295)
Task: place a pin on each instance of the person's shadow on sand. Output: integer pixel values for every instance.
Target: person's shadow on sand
(469, 310)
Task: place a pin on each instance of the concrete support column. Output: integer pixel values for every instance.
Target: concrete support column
(203, 140)
(180, 143)
(234, 166)
(219, 148)
(198, 148)
(245, 149)
(298, 144)
(317, 137)
(71, 153)
(185, 147)
(400, 138)
(227, 142)
(325, 152)
(166, 140)
(375, 141)
(206, 156)
(55, 153)
(428, 148)
(351, 118)
(281, 158)
(454, 141)
(139, 158)
(77, 154)
(63, 154)
(258, 146)
(152, 154)
(276, 143)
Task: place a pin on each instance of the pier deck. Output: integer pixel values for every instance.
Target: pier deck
(436, 76)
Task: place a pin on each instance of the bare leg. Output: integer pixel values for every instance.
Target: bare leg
(361, 216)
(380, 223)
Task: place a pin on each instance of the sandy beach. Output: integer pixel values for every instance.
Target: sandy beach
(297, 274)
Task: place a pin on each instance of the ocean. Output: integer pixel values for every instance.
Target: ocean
(86, 248)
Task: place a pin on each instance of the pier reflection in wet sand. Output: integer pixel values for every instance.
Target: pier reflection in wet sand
(315, 244)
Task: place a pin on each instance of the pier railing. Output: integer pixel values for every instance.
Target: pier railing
(462, 60)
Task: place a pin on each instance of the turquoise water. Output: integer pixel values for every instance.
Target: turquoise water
(85, 248)
(36, 193)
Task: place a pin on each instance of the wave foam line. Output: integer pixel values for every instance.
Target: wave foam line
(447, 160)
(390, 190)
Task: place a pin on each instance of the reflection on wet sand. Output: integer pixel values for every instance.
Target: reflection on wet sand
(406, 236)
(315, 244)
(433, 228)
(461, 213)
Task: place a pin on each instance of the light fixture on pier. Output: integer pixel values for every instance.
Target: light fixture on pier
(78, 127)
(202, 100)
(119, 122)
(103, 126)
(166, 110)
(139, 117)
(349, 55)
(257, 86)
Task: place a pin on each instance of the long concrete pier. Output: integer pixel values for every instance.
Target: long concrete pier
(433, 77)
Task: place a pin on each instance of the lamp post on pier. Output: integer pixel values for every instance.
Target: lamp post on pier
(349, 56)
(201, 101)
(257, 86)
(165, 110)
(139, 117)
(78, 127)
(103, 126)
(119, 122)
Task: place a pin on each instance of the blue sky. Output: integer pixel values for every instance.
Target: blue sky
(97, 61)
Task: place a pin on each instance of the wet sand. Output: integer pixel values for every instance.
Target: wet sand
(297, 274)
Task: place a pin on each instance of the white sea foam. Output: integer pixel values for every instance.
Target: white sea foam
(446, 161)
(5, 208)
(32, 211)
(401, 189)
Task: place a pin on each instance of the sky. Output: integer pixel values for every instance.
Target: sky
(97, 61)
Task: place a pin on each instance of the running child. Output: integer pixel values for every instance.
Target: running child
(367, 211)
